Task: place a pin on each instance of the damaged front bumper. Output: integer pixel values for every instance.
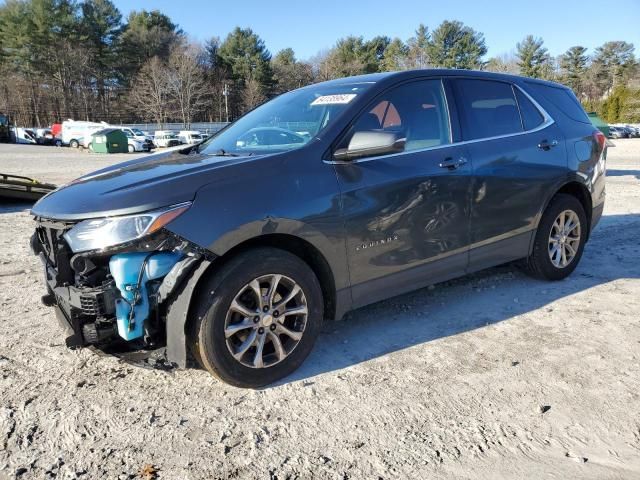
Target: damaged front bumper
(131, 301)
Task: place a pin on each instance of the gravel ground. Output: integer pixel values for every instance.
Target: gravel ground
(494, 375)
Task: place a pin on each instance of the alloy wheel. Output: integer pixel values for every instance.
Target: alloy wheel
(266, 321)
(564, 238)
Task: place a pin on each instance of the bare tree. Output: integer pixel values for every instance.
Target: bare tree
(187, 82)
(333, 63)
(252, 95)
(505, 63)
(150, 95)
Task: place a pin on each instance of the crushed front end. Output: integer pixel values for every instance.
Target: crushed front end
(117, 297)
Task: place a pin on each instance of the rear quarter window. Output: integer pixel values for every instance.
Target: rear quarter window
(563, 99)
(531, 116)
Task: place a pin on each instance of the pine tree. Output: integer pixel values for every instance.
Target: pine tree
(395, 56)
(249, 63)
(455, 45)
(418, 48)
(533, 57)
(574, 66)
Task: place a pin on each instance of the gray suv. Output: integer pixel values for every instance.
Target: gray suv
(230, 254)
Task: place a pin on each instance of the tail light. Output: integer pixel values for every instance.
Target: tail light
(601, 141)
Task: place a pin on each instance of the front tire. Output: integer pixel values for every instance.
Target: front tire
(257, 318)
(560, 239)
(131, 149)
(74, 144)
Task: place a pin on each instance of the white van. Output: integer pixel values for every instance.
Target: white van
(166, 138)
(135, 133)
(79, 133)
(190, 137)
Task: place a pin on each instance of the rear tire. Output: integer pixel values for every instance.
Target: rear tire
(220, 333)
(74, 144)
(557, 251)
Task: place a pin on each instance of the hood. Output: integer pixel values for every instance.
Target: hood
(136, 186)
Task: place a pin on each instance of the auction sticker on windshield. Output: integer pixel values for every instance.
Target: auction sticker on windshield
(334, 99)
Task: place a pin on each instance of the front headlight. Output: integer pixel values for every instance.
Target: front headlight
(99, 233)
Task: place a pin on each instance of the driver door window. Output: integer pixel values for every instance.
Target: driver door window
(416, 110)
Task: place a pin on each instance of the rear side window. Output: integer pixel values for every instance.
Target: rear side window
(563, 99)
(488, 108)
(531, 116)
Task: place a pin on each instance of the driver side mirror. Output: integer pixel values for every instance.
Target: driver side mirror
(371, 143)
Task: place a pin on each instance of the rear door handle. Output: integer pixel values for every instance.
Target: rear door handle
(452, 164)
(547, 145)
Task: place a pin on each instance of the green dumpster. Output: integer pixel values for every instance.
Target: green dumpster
(600, 124)
(109, 140)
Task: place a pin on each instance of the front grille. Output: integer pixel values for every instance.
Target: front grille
(91, 305)
(99, 301)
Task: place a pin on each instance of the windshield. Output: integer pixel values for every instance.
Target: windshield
(285, 123)
(137, 133)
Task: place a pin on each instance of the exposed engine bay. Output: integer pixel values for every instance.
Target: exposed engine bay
(115, 298)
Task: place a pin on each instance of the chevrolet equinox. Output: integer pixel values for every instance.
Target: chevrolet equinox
(232, 252)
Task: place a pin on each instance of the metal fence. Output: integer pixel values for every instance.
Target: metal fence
(203, 127)
(213, 127)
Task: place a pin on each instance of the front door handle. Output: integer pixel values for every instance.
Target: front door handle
(452, 164)
(547, 145)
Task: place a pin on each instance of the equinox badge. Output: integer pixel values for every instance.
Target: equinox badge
(376, 243)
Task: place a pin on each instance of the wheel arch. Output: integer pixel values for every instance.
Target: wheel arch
(579, 191)
(294, 245)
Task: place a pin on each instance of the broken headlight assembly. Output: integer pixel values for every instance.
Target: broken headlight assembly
(110, 278)
(100, 233)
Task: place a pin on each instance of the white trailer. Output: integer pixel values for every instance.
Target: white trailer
(76, 133)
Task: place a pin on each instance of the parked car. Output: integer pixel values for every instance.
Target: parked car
(137, 140)
(135, 133)
(190, 137)
(139, 145)
(618, 132)
(234, 253)
(25, 136)
(166, 138)
(44, 136)
(5, 128)
(56, 131)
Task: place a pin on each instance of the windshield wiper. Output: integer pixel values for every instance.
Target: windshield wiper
(223, 153)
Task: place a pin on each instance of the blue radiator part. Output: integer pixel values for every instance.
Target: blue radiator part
(132, 310)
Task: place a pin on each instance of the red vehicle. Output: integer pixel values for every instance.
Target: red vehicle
(56, 130)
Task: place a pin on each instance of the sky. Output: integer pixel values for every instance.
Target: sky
(312, 26)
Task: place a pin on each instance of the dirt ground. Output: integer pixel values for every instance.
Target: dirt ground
(494, 375)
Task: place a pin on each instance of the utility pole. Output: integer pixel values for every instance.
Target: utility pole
(225, 92)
